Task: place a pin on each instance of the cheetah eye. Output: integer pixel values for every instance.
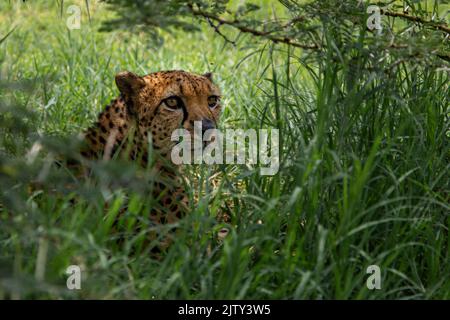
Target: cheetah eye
(213, 101)
(172, 103)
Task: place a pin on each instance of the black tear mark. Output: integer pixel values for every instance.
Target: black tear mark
(185, 113)
(183, 107)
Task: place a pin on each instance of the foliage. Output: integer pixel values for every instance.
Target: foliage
(308, 24)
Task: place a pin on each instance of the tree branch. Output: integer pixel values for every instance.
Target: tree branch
(237, 24)
(289, 41)
(441, 27)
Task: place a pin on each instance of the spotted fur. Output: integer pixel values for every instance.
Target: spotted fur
(141, 113)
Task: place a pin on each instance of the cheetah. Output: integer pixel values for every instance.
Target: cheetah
(147, 111)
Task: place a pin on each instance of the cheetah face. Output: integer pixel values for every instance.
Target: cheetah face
(165, 101)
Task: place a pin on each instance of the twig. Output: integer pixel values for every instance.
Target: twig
(217, 30)
(442, 27)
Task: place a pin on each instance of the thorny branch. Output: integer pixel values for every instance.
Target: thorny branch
(238, 25)
(441, 27)
(292, 42)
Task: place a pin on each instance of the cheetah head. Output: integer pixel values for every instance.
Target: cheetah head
(168, 100)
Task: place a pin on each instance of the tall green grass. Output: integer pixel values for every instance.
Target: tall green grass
(363, 177)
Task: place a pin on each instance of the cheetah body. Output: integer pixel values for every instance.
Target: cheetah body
(146, 113)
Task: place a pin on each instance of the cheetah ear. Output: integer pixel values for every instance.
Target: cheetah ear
(129, 83)
(209, 76)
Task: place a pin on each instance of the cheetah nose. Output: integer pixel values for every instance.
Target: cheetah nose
(207, 124)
